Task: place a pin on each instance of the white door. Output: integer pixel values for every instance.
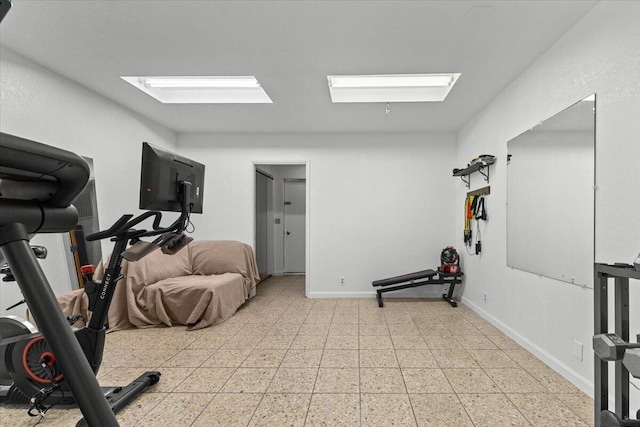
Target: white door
(294, 225)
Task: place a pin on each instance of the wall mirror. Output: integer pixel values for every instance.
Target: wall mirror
(550, 196)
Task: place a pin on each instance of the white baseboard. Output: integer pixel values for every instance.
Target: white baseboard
(576, 379)
(341, 295)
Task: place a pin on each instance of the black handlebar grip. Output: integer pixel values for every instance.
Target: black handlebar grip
(111, 231)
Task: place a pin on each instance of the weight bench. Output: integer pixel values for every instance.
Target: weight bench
(420, 278)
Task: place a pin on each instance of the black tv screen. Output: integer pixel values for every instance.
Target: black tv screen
(161, 177)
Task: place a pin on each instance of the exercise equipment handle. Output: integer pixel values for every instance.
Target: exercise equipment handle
(111, 231)
(123, 227)
(43, 166)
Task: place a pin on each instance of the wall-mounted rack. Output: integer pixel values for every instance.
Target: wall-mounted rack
(466, 172)
(480, 191)
(481, 166)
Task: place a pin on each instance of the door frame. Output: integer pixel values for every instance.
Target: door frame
(284, 220)
(307, 164)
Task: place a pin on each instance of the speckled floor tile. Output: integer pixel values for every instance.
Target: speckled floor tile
(487, 328)
(293, 380)
(225, 328)
(399, 317)
(454, 359)
(408, 342)
(16, 416)
(378, 359)
(439, 410)
(403, 329)
(322, 313)
(373, 330)
(319, 318)
(275, 342)
(249, 380)
(292, 318)
(302, 359)
(579, 403)
(384, 410)
(210, 343)
(339, 330)
(314, 329)
(515, 381)
(136, 357)
(263, 358)
(492, 359)
(381, 380)
(337, 380)
(281, 410)
(177, 409)
(373, 320)
(242, 342)
(432, 329)
(470, 381)
(382, 342)
(492, 410)
(335, 342)
(349, 319)
(477, 342)
(552, 381)
(439, 342)
(333, 410)
(205, 380)
(363, 348)
(340, 359)
(309, 342)
(229, 410)
(226, 358)
(254, 329)
(546, 410)
(137, 409)
(423, 380)
(188, 359)
(525, 359)
(416, 359)
(284, 329)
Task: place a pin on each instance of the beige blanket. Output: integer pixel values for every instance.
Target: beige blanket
(203, 284)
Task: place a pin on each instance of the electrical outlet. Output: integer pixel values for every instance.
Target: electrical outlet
(342, 281)
(485, 298)
(578, 350)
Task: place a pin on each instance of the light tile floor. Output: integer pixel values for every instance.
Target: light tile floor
(285, 360)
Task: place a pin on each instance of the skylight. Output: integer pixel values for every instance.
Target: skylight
(201, 89)
(391, 87)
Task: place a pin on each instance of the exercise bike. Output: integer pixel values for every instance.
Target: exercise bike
(58, 365)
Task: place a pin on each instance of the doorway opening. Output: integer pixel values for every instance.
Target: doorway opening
(281, 219)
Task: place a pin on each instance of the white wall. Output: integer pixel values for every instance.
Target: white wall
(38, 104)
(380, 205)
(600, 54)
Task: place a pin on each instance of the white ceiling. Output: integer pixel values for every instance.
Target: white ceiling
(291, 46)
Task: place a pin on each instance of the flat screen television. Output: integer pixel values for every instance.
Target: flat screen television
(161, 178)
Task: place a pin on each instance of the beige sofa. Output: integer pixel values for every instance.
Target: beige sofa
(204, 283)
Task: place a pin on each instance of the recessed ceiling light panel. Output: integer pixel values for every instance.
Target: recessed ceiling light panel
(391, 87)
(201, 89)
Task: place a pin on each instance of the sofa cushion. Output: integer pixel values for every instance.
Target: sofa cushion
(157, 266)
(223, 256)
(195, 301)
